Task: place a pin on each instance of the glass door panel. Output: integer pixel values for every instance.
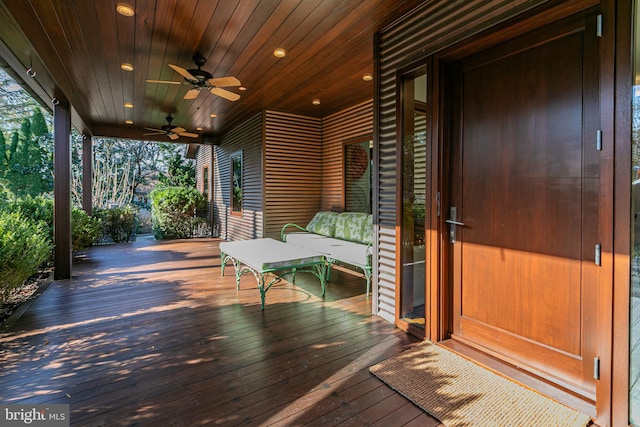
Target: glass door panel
(414, 199)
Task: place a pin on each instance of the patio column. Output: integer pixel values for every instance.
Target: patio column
(62, 189)
(87, 173)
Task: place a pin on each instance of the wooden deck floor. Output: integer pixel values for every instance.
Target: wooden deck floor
(149, 333)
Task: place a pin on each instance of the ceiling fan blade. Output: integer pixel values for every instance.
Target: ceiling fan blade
(163, 81)
(224, 81)
(188, 134)
(184, 73)
(154, 133)
(224, 94)
(155, 130)
(192, 94)
(173, 136)
(178, 130)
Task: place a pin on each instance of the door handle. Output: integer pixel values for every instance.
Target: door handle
(453, 222)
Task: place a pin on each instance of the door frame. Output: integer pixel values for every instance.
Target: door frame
(617, 128)
(438, 277)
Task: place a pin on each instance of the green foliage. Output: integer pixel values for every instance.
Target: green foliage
(3, 153)
(38, 209)
(119, 224)
(173, 211)
(26, 167)
(85, 230)
(179, 173)
(38, 123)
(5, 193)
(13, 148)
(24, 246)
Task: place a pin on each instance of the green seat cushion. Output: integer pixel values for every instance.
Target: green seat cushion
(323, 223)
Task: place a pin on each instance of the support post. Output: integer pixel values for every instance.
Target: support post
(62, 189)
(87, 174)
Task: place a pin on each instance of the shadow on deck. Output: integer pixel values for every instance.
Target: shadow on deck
(150, 333)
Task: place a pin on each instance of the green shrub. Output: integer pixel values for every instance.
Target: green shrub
(24, 246)
(85, 230)
(36, 209)
(119, 224)
(173, 210)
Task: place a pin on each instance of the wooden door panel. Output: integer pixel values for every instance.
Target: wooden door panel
(526, 188)
(518, 294)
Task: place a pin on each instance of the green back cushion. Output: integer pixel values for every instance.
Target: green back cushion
(367, 231)
(323, 223)
(350, 226)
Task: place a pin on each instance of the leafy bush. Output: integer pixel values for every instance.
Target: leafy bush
(119, 224)
(24, 246)
(172, 211)
(85, 230)
(36, 209)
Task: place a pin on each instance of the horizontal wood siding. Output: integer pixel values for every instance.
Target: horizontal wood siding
(430, 28)
(248, 138)
(347, 125)
(293, 170)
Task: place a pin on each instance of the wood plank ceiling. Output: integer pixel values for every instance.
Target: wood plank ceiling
(76, 47)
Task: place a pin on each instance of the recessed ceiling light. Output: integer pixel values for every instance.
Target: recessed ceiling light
(242, 88)
(126, 66)
(198, 128)
(125, 10)
(128, 105)
(213, 115)
(129, 122)
(316, 101)
(279, 52)
(367, 77)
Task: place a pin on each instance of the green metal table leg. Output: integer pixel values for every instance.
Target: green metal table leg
(223, 262)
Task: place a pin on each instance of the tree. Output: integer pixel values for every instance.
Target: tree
(179, 173)
(3, 154)
(39, 126)
(27, 172)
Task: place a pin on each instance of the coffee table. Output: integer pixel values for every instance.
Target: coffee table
(268, 256)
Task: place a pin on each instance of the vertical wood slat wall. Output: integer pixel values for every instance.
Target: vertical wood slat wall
(347, 125)
(293, 170)
(248, 138)
(430, 28)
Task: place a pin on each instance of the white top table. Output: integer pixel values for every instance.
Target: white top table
(264, 256)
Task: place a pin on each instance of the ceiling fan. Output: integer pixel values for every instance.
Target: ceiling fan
(203, 80)
(173, 132)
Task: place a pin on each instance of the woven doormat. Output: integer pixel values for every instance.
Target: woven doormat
(461, 393)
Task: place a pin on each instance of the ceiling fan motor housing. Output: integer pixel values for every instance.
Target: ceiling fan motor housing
(199, 74)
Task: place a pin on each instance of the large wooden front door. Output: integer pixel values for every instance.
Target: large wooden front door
(524, 168)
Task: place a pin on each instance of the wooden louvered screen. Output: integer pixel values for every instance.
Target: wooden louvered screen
(293, 170)
(248, 139)
(428, 29)
(347, 125)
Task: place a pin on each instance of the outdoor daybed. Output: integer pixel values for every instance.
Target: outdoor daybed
(341, 237)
